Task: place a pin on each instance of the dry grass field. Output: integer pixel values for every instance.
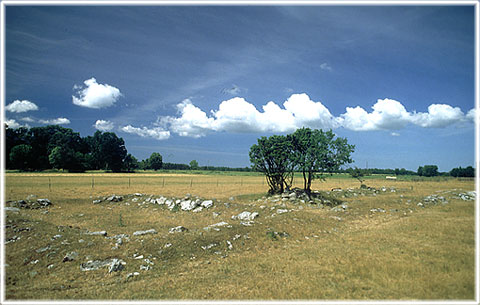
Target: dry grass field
(382, 246)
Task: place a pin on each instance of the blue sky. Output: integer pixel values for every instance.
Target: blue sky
(204, 82)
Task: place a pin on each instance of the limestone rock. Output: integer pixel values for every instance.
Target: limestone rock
(138, 233)
(178, 229)
(246, 216)
(207, 204)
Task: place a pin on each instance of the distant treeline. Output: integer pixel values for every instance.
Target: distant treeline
(56, 147)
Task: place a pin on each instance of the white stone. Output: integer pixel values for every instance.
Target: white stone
(197, 209)
(177, 229)
(246, 216)
(188, 205)
(101, 233)
(207, 204)
(138, 233)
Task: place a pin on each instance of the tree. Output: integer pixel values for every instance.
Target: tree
(358, 174)
(273, 156)
(428, 171)
(463, 172)
(63, 157)
(420, 171)
(317, 153)
(21, 156)
(108, 151)
(130, 163)
(194, 164)
(155, 161)
(14, 137)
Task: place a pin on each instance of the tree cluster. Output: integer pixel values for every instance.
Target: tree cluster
(428, 171)
(463, 172)
(314, 153)
(48, 147)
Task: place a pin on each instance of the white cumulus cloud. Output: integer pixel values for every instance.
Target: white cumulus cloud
(299, 110)
(12, 124)
(438, 115)
(95, 95)
(103, 125)
(193, 122)
(240, 116)
(471, 115)
(58, 121)
(387, 114)
(21, 106)
(156, 132)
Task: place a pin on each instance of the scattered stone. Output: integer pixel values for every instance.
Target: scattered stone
(44, 202)
(167, 245)
(114, 198)
(132, 274)
(215, 214)
(247, 223)
(146, 268)
(178, 229)
(12, 209)
(246, 216)
(97, 201)
(188, 205)
(170, 204)
(230, 246)
(468, 196)
(138, 233)
(114, 264)
(207, 204)
(12, 239)
(70, 256)
(197, 209)
(216, 226)
(281, 211)
(98, 233)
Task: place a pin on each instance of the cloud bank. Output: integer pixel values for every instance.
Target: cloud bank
(58, 121)
(21, 106)
(299, 110)
(103, 125)
(95, 95)
(156, 132)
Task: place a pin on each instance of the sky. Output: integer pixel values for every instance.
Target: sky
(205, 82)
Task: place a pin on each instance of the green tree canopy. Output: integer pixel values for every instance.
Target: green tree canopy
(273, 156)
(194, 164)
(155, 161)
(318, 153)
(108, 151)
(131, 163)
(21, 156)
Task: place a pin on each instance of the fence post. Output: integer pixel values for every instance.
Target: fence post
(93, 183)
(49, 184)
(163, 182)
(191, 182)
(128, 182)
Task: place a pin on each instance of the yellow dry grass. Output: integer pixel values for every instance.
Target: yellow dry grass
(356, 255)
